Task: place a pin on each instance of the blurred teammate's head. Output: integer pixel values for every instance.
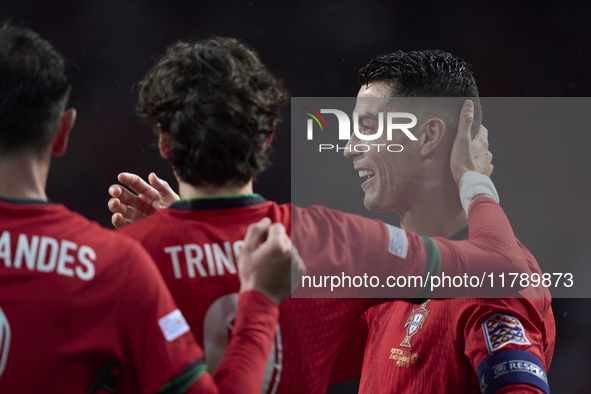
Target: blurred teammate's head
(215, 106)
(432, 85)
(34, 91)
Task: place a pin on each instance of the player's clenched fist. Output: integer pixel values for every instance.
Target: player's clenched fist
(269, 263)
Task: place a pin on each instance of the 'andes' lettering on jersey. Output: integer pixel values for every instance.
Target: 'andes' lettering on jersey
(206, 260)
(46, 254)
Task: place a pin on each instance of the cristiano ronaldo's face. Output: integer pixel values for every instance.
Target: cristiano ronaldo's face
(388, 175)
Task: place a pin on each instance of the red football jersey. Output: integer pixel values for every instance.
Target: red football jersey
(78, 302)
(196, 244)
(459, 345)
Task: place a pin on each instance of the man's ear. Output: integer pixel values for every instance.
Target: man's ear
(64, 127)
(164, 144)
(434, 132)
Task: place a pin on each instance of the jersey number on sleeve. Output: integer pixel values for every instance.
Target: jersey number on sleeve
(217, 328)
(4, 340)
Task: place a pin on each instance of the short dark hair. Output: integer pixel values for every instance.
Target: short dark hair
(427, 73)
(34, 89)
(218, 102)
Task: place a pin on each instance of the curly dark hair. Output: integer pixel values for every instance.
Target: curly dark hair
(427, 73)
(34, 89)
(218, 103)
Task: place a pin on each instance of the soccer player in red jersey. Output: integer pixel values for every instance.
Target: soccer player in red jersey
(79, 302)
(430, 345)
(214, 107)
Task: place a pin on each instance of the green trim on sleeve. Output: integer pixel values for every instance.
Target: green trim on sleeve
(433, 262)
(436, 258)
(432, 268)
(181, 383)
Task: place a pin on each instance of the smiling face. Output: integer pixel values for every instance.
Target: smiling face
(389, 176)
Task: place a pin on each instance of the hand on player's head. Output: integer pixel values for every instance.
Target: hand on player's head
(269, 263)
(481, 156)
(470, 154)
(149, 198)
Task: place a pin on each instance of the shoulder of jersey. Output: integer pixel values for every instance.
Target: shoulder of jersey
(77, 227)
(141, 227)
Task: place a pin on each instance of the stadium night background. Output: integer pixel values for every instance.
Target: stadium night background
(516, 50)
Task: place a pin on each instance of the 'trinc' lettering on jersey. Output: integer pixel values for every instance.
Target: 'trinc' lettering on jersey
(207, 260)
(46, 254)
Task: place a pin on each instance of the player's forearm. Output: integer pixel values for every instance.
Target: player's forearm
(243, 366)
(491, 249)
(492, 246)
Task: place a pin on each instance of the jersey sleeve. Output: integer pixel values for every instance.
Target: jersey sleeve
(243, 367)
(340, 246)
(490, 250)
(506, 345)
(158, 349)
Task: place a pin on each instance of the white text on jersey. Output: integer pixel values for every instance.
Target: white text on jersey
(218, 260)
(46, 254)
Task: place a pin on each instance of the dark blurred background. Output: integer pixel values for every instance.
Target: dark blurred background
(517, 49)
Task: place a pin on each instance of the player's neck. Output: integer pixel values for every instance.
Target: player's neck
(24, 176)
(435, 209)
(187, 191)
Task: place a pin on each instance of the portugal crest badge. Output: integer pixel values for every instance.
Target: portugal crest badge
(415, 322)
